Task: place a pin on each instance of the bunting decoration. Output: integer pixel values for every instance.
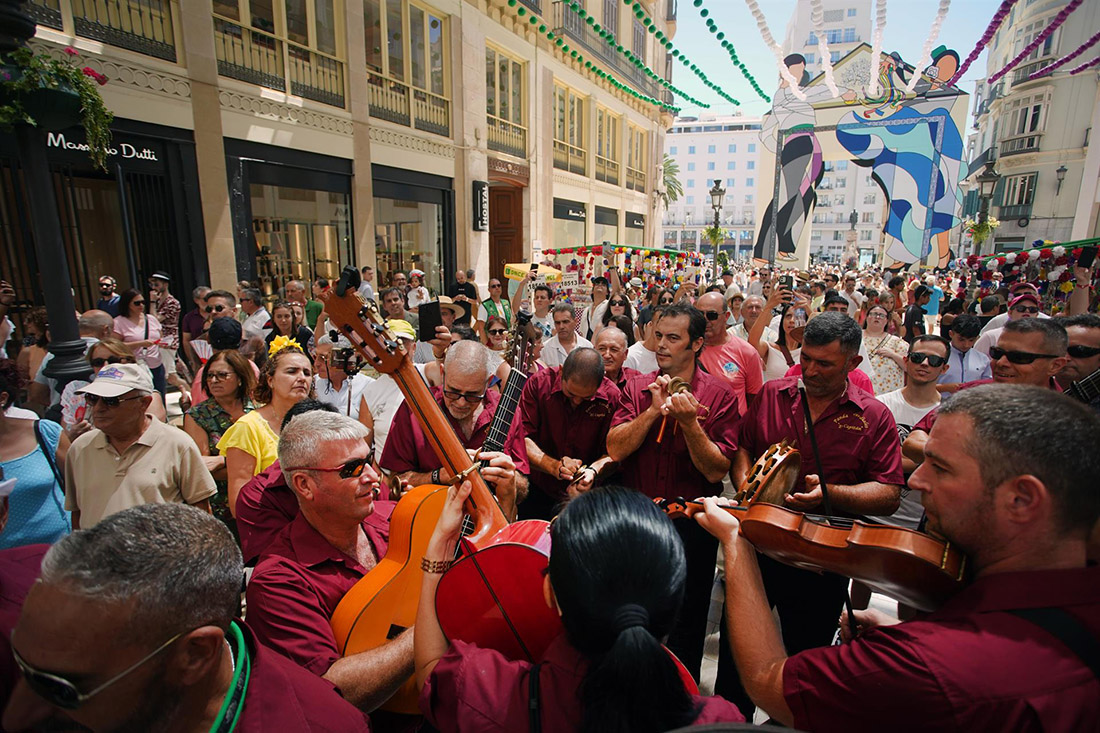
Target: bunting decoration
(926, 50)
(1037, 41)
(991, 29)
(817, 16)
(876, 47)
(1049, 68)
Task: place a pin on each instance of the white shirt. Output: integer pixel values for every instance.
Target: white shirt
(546, 323)
(770, 336)
(906, 416)
(346, 398)
(966, 366)
(554, 354)
(254, 324)
(855, 300)
(640, 358)
(417, 296)
(1001, 320)
(986, 340)
(382, 398)
(592, 319)
(366, 291)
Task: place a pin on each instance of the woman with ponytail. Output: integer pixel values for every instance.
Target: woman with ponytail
(616, 577)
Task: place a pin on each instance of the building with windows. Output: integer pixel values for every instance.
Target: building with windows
(847, 24)
(267, 141)
(707, 149)
(1037, 132)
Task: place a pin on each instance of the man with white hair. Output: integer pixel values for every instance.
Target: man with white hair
(339, 535)
(129, 458)
(468, 404)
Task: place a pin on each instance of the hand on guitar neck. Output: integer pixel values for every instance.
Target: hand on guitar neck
(497, 469)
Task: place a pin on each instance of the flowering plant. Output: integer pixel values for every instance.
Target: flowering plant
(25, 74)
(980, 231)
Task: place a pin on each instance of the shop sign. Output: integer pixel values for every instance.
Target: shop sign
(481, 206)
(635, 221)
(126, 150)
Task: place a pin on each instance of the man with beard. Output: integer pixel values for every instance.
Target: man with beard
(131, 627)
(1010, 481)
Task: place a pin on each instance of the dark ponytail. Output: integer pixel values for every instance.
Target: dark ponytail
(618, 569)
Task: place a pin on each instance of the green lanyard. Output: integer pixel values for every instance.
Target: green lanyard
(231, 709)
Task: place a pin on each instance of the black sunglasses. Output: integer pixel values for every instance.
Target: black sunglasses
(711, 315)
(934, 360)
(617, 302)
(664, 301)
(498, 331)
(455, 395)
(214, 308)
(1026, 308)
(99, 363)
(94, 399)
(351, 469)
(1017, 357)
(1082, 352)
(137, 302)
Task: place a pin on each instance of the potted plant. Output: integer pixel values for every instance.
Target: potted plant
(979, 231)
(36, 89)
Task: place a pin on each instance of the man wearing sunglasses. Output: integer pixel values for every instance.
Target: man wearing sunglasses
(132, 626)
(727, 356)
(1024, 305)
(129, 458)
(495, 305)
(338, 536)
(1083, 356)
(468, 404)
(108, 298)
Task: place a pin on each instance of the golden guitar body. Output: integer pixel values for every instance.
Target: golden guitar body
(384, 602)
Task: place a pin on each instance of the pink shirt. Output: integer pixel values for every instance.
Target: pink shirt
(738, 362)
(128, 331)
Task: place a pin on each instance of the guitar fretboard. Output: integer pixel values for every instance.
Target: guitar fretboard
(506, 411)
(1087, 389)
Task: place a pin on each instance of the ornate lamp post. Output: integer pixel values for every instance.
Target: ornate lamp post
(987, 184)
(717, 195)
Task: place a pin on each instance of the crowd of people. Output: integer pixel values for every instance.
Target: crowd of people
(188, 569)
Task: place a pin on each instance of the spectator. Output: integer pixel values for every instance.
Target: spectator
(428, 351)
(334, 386)
(366, 283)
(887, 351)
(393, 307)
(283, 324)
(417, 293)
(192, 325)
(250, 445)
(296, 293)
(913, 325)
(256, 321)
(36, 341)
(990, 307)
(496, 334)
(93, 325)
(964, 363)
(932, 309)
(382, 397)
(613, 347)
(727, 356)
(641, 356)
(752, 309)
(1024, 305)
(224, 333)
(780, 356)
(592, 315)
(734, 300)
(228, 378)
(851, 295)
(495, 305)
(108, 299)
(128, 458)
(141, 334)
(626, 325)
(398, 280)
(147, 603)
(619, 305)
(33, 453)
(951, 310)
(1083, 355)
(464, 293)
(566, 338)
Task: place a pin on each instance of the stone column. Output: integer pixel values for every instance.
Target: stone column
(362, 185)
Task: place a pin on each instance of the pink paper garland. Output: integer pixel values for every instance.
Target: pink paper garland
(1035, 43)
(1085, 66)
(994, 24)
(1049, 68)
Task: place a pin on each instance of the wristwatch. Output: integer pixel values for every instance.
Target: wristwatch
(435, 476)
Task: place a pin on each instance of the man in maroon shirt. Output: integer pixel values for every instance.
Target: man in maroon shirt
(565, 413)
(131, 627)
(339, 535)
(613, 347)
(1020, 506)
(468, 404)
(679, 445)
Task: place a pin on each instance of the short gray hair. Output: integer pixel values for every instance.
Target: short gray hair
(94, 320)
(305, 436)
(1055, 339)
(826, 328)
(200, 292)
(175, 566)
(254, 295)
(295, 285)
(468, 357)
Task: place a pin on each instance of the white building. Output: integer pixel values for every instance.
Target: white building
(847, 24)
(710, 148)
(1038, 132)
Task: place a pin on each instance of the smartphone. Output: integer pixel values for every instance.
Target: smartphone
(1088, 256)
(799, 319)
(430, 315)
(786, 282)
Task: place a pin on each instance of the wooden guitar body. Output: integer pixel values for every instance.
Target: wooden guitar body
(383, 603)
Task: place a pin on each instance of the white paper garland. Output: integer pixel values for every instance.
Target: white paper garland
(876, 47)
(817, 17)
(762, 24)
(926, 51)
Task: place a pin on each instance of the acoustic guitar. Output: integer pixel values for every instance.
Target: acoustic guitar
(384, 602)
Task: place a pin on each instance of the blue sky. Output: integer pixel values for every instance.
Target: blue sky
(907, 26)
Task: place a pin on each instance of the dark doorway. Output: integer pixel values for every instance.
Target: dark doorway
(505, 227)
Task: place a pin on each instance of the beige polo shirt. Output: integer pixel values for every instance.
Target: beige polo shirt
(162, 466)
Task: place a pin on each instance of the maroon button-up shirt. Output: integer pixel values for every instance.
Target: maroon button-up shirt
(19, 568)
(665, 469)
(968, 667)
(408, 449)
(297, 585)
(856, 435)
(283, 696)
(474, 689)
(549, 418)
(265, 506)
(625, 375)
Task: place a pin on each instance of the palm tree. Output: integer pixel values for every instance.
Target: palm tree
(670, 172)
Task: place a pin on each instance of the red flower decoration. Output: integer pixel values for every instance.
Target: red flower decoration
(1077, 253)
(1063, 260)
(1065, 276)
(1001, 260)
(1021, 257)
(1045, 254)
(71, 51)
(101, 79)
(89, 71)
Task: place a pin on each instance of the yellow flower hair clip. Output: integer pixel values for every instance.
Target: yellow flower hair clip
(281, 342)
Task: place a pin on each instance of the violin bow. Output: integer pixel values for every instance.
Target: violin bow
(824, 494)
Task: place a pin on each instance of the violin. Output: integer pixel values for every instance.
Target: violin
(914, 568)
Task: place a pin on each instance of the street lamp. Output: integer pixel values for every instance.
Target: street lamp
(1061, 173)
(987, 184)
(717, 194)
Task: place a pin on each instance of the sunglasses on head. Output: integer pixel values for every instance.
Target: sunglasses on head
(1017, 357)
(60, 692)
(94, 399)
(214, 308)
(351, 469)
(1082, 352)
(934, 360)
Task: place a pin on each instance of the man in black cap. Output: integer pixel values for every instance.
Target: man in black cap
(224, 333)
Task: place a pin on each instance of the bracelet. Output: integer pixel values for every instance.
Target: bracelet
(434, 567)
(435, 476)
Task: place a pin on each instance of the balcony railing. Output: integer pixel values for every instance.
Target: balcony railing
(46, 12)
(506, 137)
(569, 25)
(1017, 211)
(1023, 71)
(635, 179)
(607, 170)
(569, 158)
(397, 102)
(260, 58)
(144, 26)
(1021, 144)
(535, 5)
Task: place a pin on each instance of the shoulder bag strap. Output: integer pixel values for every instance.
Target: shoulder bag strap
(787, 355)
(534, 704)
(1067, 629)
(45, 448)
